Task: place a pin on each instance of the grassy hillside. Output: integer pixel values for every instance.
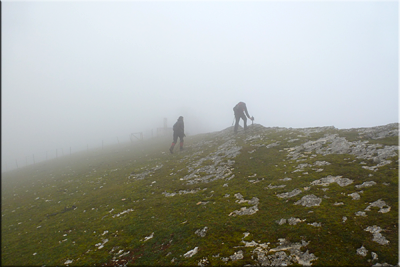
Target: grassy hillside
(268, 196)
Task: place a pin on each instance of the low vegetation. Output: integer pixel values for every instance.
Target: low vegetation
(224, 200)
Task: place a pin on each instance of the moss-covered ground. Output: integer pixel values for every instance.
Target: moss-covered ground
(91, 208)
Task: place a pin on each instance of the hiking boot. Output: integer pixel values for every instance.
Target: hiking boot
(170, 150)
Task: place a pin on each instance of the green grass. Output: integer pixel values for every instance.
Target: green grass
(63, 209)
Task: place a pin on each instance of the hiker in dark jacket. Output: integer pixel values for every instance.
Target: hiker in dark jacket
(240, 109)
(179, 131)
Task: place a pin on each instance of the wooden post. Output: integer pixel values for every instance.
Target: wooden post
(26, 158)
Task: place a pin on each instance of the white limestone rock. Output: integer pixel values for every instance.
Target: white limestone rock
(309, 201)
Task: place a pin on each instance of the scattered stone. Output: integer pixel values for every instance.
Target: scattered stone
(203, 262)
(315, 224)
(191, 253)
(303, 165)
(383, 264)
(321, 163)
(237, 256)
(362, 251)
(181, 192)
(355, 196)
(379, 132)
(379, 204)
(378, 237)
(220, 168)
(361, 213)
(253, 201)
(309, 201)
(148, 237)
(286, 179)
(202, 232)
(250, 244)
(332, 179)
(244, 211)
(68, 262)
(294, 221)
(373, 168)
(333, 144)
(280, 258)
(275, 186)
(256, 181)
(366, 184)
(338, 203)
(289, 194)
(281, 221)
(122, 212)
(272, 145)
(168, 194)
(143, 175)
(225, 259)
(374, 256)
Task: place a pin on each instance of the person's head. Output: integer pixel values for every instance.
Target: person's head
(180, 118)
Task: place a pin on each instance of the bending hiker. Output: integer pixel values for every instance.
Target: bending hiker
(240, 109)
(179, 131)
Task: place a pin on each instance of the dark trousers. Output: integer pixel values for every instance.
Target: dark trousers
(176, 135)
(238, 116)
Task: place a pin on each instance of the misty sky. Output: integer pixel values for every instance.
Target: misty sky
(78, 73)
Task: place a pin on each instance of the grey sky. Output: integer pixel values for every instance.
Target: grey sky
(76, 73)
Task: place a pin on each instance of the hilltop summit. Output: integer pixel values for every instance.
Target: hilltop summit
(268, 196)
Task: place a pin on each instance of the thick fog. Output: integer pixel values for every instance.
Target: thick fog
(86, 74)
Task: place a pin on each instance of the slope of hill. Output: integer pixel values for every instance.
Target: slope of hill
(269, 196)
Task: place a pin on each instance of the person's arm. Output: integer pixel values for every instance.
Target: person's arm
(247, 113)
